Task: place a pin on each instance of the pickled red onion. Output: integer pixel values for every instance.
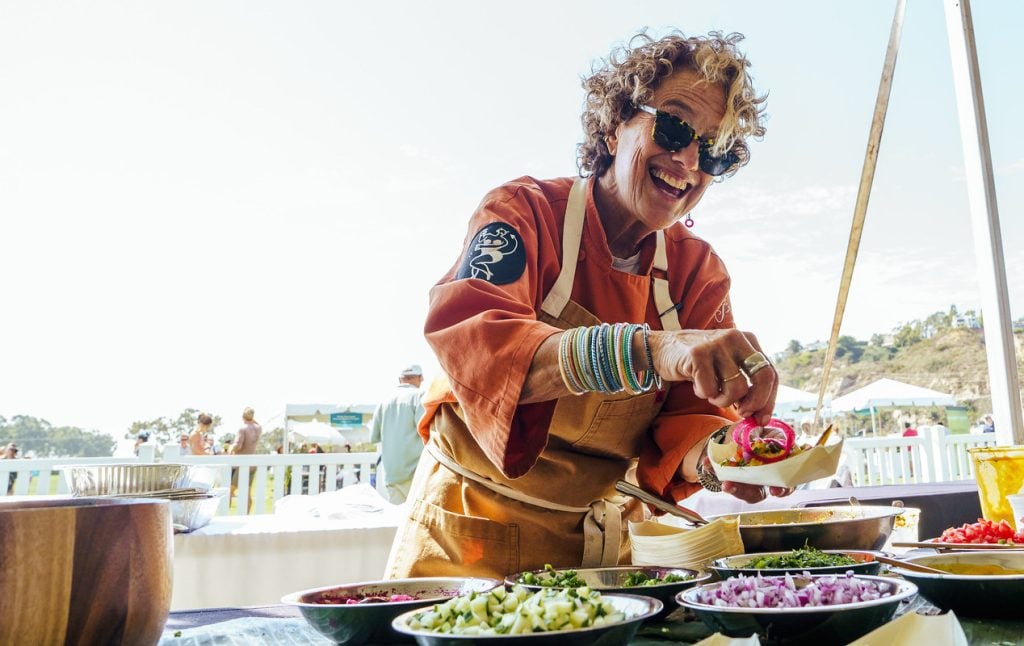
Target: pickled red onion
(746, 432)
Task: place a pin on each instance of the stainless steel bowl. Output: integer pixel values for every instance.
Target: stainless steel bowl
(612, 580)
(635, 608)
(370, 623)
(735, 565)
(864, 527)
(189, 514)
(838, 624)
(971, 595)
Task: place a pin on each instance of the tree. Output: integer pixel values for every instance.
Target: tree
(908, 335)
(794, 347)
(270, 440)
(164, 430)
(847, 345)
(37, 436)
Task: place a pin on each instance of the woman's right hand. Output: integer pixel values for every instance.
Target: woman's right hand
(713, 361)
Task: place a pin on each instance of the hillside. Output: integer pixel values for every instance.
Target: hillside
(951, 361)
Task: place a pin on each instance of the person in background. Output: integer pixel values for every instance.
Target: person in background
(197, 438)
(246, 443)
(183, 447)
(11, 453)
(908, 430)
(140, 439)
(988, 425)
(394, 427)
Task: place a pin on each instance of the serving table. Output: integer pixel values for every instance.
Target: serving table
(278, 624)
(251, 560)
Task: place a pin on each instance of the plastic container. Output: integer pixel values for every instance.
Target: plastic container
(1017, 505)
(999, 472)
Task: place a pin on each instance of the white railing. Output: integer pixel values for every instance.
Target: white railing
(930, 457)
(272, 476)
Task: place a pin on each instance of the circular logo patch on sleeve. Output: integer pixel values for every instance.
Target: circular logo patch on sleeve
(495, 254)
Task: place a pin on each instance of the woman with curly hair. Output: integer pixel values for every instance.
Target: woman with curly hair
(586, 333)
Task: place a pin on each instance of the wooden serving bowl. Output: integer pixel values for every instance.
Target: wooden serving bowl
(84, 570)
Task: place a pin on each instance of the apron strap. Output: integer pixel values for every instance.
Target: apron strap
(602, 524)
(662, 298)
(575, 212)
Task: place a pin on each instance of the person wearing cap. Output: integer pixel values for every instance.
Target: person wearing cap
(11, 453)
(394, 427)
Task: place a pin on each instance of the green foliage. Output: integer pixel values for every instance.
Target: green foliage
(847, 346)
(39, 437)
(270, 440)
(164, 430)
(908, 335)
(794, 347)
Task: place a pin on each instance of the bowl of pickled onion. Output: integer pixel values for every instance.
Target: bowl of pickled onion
(361, 613)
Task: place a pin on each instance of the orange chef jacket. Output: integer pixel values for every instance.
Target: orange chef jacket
(486, 334)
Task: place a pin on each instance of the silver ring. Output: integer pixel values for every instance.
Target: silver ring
(755, 362)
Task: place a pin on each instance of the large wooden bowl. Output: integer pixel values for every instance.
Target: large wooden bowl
(84, 570)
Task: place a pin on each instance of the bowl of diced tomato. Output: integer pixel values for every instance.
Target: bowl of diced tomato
(983, 532)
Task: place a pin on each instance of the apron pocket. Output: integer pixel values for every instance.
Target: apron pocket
(619, 426)
(443, 543)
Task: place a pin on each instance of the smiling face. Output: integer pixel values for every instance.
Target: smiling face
(647, 184)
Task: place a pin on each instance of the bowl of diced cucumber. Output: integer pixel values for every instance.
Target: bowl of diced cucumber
(572, 616)
(661, 583)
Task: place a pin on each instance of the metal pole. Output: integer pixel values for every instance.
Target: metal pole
(988, 240)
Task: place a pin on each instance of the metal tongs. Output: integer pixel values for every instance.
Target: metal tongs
(688, 515)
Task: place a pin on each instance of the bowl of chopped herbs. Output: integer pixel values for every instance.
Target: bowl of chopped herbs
(806, 559)
(661, 583)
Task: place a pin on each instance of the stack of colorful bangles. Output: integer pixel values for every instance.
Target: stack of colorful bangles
(599, 359)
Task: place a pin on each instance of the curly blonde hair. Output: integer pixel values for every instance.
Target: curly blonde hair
(631, 73)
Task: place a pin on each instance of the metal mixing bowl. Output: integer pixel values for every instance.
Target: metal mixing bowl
(370, 623)
(864, 527)
(971, 595)
(635, 608)
(837, 624)
(612, 580)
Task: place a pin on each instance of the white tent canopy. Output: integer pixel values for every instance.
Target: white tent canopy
(325, 434)
(793, 403)
(889, 393)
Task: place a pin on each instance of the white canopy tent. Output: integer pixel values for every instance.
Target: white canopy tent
(889, 393)
(353, 429)
(792, 404)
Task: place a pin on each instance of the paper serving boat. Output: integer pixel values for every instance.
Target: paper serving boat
(913, 629)
(818, 462)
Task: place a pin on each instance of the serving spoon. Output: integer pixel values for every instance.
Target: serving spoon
(688, 515)
(908, 566)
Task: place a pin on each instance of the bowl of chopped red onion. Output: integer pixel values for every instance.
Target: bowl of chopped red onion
(361, 613)
(801, 608)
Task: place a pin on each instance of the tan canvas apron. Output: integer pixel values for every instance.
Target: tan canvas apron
(467, 519)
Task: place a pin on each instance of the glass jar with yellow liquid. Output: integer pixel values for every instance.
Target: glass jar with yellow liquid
(999, 472)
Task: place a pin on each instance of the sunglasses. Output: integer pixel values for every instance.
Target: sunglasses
(674, 134)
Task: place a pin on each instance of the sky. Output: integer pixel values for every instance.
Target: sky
(216, 204)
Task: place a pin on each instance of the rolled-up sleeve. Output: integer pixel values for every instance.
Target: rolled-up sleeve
(485, 334)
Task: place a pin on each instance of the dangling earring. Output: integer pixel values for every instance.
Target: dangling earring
(688, 221)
